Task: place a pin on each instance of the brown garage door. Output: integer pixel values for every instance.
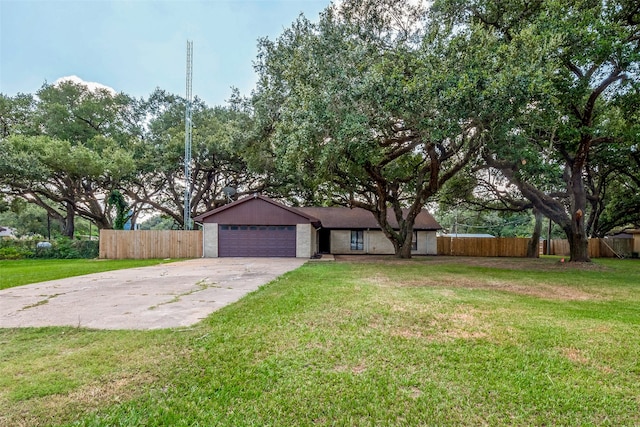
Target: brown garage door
(257, 241)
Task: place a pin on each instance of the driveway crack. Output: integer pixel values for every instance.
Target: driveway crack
(39, 303)
(201, 285)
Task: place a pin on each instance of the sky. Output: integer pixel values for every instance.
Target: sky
(134, 46)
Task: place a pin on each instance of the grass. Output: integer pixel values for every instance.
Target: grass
(23, 272)
(430, 341)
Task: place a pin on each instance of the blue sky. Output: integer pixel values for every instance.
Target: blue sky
(135, 46)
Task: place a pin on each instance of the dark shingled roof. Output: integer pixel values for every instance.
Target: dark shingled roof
(335, 217)
(247, 199)
(355, 218)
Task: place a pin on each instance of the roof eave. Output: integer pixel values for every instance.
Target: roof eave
(311, 219)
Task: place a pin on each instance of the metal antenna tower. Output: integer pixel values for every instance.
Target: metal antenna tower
(187, 140)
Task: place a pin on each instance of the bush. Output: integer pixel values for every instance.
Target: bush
(64, 248)
(16, 249)
(61, 248)
(14, 252)
(87, 248)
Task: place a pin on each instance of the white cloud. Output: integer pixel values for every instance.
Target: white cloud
(93, 86)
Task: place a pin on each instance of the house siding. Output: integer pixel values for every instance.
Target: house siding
(210, 239)
(376, 243)
(305, 241)
(430, 242)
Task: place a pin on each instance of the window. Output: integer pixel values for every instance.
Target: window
(357, 240)
(414, 241)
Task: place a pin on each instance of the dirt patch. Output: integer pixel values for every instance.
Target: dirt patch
(579, 358)
(539, 290)
(414, 392)
(530, 264)
(465, 323)
(355, 370)
(575, 355)
(58, 407)
(406, 333)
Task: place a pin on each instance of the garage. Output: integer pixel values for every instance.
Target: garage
(257, 226)
(257, 241)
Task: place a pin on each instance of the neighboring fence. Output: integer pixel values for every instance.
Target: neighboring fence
(483, 246)
(598, 248)
(517, 247)
(139, 244)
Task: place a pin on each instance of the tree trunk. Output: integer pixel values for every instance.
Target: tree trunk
(577, 233)
(533, 248)
(578, 247)
(68, 224)
(404, 250)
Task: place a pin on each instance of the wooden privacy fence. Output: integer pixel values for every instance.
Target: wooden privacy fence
(598, 248)
(483, 246)
(139, 244)
(517, 247)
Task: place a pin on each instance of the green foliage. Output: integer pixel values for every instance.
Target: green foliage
(159, 222)
(560, 71)
(117, 200)
(379, 103)
(4, 204)
(14, 252)
(61, 248)
(16, 115)
(64, 248)
(27, 219)
(363, 109)
(70, 149)
(219, 143)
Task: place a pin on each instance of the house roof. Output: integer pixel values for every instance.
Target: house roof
(620, 235)
(221, 209)
(332, 217)
(358, 218)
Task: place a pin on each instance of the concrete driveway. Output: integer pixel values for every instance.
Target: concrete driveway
(164, 296)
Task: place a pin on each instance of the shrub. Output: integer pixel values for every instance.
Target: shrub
(14, 252)
(61, 248)
(65, 248)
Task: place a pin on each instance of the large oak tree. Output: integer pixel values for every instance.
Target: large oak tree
(587, 52)
(65, 150)
(363, 109)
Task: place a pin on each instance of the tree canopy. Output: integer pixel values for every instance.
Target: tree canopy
(566, 64)
(379, 104)
(363, 108)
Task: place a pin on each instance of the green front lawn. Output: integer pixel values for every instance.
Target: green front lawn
(430, 341)
(22, 272)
